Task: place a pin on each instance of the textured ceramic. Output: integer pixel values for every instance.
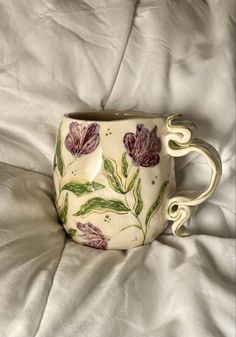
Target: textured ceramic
(114, 176)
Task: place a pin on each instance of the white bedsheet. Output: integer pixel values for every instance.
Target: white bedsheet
(157, 56)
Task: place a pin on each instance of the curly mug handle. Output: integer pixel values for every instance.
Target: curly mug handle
(179, 142)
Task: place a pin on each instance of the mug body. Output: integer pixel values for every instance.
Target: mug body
(112, 177)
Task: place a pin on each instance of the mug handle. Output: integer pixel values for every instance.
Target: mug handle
(180, 141)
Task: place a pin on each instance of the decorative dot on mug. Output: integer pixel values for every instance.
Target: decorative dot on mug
(114, 176)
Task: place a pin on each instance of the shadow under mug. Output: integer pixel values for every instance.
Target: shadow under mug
(114, 176)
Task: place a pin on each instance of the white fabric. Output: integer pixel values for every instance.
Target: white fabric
(157, 56)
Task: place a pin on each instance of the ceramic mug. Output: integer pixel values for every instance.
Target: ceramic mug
(114, 176)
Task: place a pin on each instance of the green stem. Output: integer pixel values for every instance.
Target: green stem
(144, 235)
(60, 180)
(72, 162)
(126, 227)
(140, 226)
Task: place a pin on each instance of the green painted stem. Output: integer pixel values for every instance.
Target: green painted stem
(140, 224)
(72, 162)
(60, 180)
(127, 204)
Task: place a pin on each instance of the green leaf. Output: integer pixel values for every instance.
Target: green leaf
(133, 180)
(138, 199)
(110, 172)
(101, 205)
(124, 165)
(71, 232)
(60, 163)
(82, 188)
(63, 210)
(155, 206)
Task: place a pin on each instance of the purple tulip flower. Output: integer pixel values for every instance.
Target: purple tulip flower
(92, 235)
(143, 146)
(82, 138)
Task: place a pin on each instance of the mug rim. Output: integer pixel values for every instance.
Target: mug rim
(111, 115)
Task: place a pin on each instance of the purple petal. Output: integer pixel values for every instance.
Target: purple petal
(154, 141)
(92, 235)
(75, 132)
(99, 244)
(143, 147)
(91, 139)
(149, 159)
(88, 228)
(129, 142)
(91, 145)
(91, 131)
(82, 139)
(139, 129)
(69, 143)
(72, 140)
(142, 139)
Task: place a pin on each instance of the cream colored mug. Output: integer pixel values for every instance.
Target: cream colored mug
(114, 176)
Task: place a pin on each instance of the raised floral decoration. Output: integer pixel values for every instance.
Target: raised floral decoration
(143, 146)
(92, 235)
(122, 177)
(82, 139)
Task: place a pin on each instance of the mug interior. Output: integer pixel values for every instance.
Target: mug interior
(112, 115)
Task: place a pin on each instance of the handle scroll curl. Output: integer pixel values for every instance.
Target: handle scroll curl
(180, 140)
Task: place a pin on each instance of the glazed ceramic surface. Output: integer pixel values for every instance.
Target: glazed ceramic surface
(114, 176)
